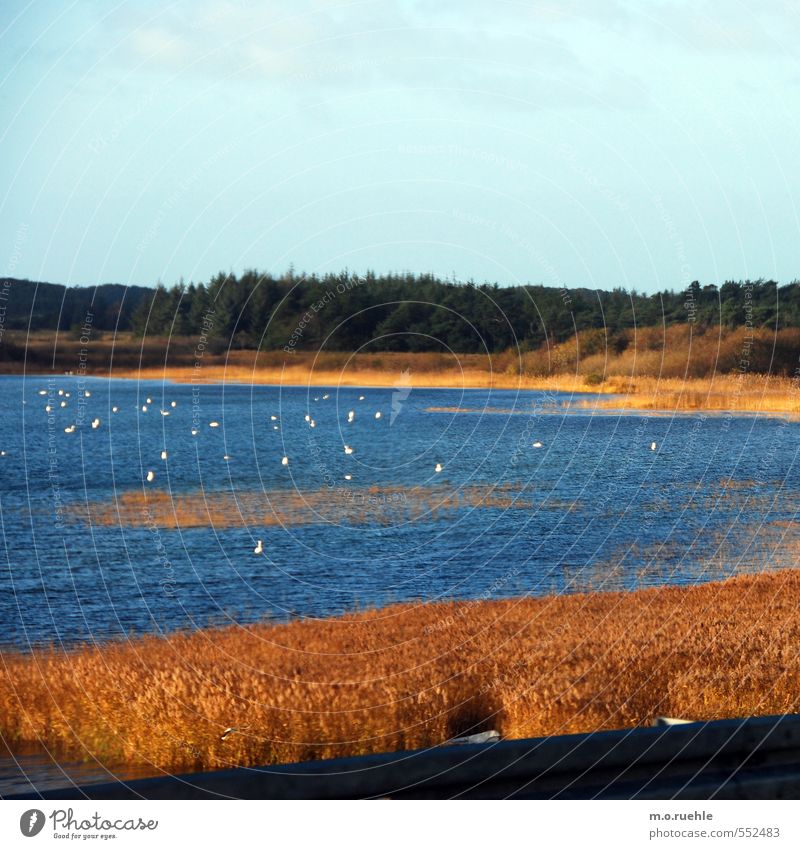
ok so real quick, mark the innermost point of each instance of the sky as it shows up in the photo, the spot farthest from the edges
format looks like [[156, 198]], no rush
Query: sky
[[640, 144]]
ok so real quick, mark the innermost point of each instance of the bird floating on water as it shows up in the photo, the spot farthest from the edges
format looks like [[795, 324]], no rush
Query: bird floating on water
[[348, 477], [87, 394], [149, 400], [259, 549], [173, 403], [144, 408], [63, 404], [213, 424], [163, 455], [226, 457], [307, 417], [165, 412], [150, 476], [114, 409], [273, 418], [194, 431], [350, 416], [537, 444], [312, 423], [348, 449], [325, 397], [60, 391], [360, 397], [285, 461], [378, 414], [48, 409], [70, 429], [43, 392], [652, 446], [438, 467], [95, 424]]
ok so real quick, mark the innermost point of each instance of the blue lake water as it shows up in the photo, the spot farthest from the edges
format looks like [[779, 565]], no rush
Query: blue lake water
[[593, 508]]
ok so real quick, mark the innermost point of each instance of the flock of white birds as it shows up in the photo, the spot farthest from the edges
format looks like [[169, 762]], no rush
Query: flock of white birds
[[150, 475]]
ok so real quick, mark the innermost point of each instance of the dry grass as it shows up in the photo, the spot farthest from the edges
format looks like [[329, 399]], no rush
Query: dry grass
[[670, 369], [415, 675], [269, 508]]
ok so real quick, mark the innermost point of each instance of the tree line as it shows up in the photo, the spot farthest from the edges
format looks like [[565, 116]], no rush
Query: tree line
[[390, 312]]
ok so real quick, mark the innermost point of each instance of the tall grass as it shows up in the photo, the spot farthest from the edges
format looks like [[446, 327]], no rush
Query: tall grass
[[415, 675]]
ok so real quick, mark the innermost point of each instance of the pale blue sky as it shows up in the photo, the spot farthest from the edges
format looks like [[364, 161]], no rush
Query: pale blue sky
[[575, 142]]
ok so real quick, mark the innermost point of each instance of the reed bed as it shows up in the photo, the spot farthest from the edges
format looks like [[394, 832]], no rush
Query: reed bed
[[280, 507], [414, 675]]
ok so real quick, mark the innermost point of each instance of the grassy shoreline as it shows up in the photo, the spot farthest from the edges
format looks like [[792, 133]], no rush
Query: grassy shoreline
[[414, 675]]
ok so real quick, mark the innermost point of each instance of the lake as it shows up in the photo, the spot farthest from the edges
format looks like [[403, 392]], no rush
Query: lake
[[91, 552]]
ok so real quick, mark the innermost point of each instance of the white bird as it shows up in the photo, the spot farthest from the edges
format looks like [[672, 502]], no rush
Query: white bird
[[652, 446], [325, 397], [307, 417], [87, 394], [114, 409], [67, 394], [360, 397], [70, 429], [165, 412], [348, 449], [348, 477], [150, 477], [285, 461], [312, 423], [228, 731], [438, 467], [259, 549], [43, 392], [213, 424], [378, 414], [63, 404], [173, 403], [48, 409], [149, 400], [273, 418], [2, 453], [226, 457], [537, 444], [275, 427], [60, 391], [95, 424], [350, 416], [163, 455], [194, 431], [144, 408], [317, 398]]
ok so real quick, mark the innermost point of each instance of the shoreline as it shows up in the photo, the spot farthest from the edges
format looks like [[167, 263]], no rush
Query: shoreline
[[753, 394], [410, 676]]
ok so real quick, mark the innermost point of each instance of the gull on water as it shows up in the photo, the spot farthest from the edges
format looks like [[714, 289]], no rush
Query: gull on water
[[165, 412], [273, 418], [173, 403], [60, 391], [95, 424], [438, 467], [48, 409], [114, 409], [63, 404], [360, 397], [144, 408], [378, 414], [87, 394], [213, 424], [194, 431], [43, 392], [285, 461], [70, 429], [350, 416], [150, 476], [259, 549], [652, 446], [348, 449], [325, 397], [149, 400], [163, 455], [537, 444], [348, 477]]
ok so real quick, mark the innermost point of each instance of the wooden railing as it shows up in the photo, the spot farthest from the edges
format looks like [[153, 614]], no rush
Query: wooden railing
[[751, 758]]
